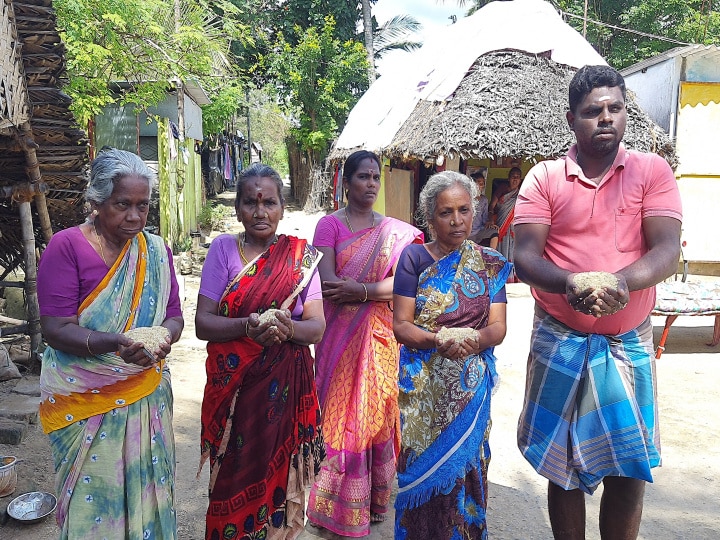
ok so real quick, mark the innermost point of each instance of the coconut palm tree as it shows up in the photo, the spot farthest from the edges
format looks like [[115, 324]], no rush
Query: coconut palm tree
[[392, 35], [395, 35], [368, 35]]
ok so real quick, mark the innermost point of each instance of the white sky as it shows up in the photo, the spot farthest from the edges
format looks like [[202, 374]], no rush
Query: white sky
[[430, 13]]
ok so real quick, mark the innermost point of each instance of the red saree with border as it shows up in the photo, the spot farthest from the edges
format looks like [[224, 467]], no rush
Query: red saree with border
[[260, 414]]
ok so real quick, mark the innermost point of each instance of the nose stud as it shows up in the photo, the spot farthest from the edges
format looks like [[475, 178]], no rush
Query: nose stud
[[452, 222]]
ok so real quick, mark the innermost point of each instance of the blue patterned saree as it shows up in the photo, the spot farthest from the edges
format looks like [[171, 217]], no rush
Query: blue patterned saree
[[445, 404]]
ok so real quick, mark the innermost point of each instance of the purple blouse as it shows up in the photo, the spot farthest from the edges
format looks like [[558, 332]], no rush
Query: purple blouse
[[69, 271], [414, 260], [330, 231], [223, 263]]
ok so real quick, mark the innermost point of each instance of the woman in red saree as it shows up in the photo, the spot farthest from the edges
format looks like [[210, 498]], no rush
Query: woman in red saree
[[357, 360], [260, 415]]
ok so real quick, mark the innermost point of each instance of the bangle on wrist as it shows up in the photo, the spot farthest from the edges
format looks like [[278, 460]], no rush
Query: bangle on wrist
[[247, 327], [292, 331], [366, 293], [87, 343]]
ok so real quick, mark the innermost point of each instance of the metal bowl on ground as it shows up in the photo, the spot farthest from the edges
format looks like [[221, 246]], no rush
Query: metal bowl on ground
[[32, 507], [8, 475]]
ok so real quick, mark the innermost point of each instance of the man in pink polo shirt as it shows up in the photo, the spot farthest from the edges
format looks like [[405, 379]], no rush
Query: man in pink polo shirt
[[590, 413]]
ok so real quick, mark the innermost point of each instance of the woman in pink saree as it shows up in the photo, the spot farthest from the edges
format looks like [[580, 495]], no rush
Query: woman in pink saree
[[357, 359]]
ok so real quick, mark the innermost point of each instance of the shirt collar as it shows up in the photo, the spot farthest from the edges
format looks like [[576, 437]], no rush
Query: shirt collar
[[573, 169]]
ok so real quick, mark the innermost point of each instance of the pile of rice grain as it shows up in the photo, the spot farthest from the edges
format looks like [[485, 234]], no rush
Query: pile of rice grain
[[458, 334], [150, 336], [269, 316], [595, 281]]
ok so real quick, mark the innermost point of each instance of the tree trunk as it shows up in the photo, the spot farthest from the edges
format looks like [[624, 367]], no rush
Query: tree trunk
[[368, 31]]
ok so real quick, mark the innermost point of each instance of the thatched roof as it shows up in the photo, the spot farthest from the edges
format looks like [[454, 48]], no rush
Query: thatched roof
[[478, 90], [510, 104], [29, 25]]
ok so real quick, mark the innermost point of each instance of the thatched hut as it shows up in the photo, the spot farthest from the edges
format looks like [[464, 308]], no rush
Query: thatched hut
[[42, 152], [510, 104], [491, 90]]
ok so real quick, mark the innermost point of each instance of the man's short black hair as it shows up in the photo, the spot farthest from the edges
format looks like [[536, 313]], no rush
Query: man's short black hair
[[588, 78]]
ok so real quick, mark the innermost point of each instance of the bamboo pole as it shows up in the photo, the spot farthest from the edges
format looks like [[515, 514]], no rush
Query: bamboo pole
[[32, 307], [29, 146]]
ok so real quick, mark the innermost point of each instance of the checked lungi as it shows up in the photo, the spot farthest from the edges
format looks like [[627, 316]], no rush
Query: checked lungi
[[590, 406]]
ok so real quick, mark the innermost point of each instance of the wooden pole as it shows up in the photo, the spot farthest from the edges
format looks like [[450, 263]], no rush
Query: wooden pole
[[33, 308], [28, 144]]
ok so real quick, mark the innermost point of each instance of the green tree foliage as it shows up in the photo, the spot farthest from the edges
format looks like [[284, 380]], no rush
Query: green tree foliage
[[146, 43], [224, 105], [618, 33], [267, 20], [320, 79], [270, 127]]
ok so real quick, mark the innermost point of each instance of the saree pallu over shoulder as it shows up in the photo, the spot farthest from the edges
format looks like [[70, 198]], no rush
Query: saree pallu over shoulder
[[590, 405], [444, 403], [357, 385], [260, 415], [134, 293], [368, 256]]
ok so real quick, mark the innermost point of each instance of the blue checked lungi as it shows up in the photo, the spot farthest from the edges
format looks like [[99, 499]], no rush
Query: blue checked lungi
[[590, 405]]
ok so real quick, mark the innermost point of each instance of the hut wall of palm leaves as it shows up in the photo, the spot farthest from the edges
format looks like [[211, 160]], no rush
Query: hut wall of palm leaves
[[61, 146], [510, 104]]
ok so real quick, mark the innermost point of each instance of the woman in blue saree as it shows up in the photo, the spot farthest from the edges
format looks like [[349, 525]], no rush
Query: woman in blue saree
[[446, 384]]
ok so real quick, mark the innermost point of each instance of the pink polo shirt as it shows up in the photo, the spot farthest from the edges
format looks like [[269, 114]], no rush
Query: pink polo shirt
[[598, 228]]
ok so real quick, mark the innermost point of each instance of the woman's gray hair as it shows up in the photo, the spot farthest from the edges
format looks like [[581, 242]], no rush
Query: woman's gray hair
[[109, 167], [435, 185], [258, 170]]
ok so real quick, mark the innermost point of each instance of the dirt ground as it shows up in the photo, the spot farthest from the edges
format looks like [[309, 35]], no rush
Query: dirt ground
[[682, 503]]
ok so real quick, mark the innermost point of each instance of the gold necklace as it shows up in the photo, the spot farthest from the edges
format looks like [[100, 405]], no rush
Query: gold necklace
[[347, 220], [241, 244], [97, 237]]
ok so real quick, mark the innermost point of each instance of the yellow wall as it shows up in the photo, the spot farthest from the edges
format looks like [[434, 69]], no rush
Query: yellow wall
[[698, 129], [698, 132], [180, 186], [379, 205]]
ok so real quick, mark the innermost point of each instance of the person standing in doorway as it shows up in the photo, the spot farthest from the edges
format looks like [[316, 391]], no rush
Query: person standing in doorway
[[503, 212], [484, 232]]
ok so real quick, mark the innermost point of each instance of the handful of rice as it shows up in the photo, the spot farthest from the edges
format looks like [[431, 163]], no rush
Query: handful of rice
[[269, 316], [150, 336], [595, 281], [458, 334]]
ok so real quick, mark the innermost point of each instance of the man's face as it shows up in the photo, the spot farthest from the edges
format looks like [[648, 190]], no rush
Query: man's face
[[599, 121]]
